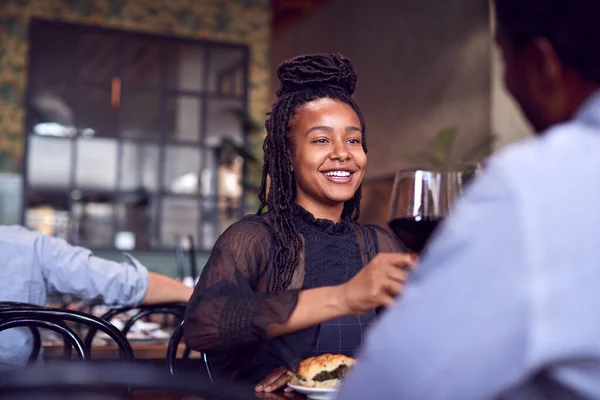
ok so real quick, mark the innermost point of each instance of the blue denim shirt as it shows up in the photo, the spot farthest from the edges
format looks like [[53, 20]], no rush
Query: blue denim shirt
[[33, 264]]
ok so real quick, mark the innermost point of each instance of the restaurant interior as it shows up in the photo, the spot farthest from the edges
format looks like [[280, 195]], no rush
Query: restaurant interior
[[137, 126]]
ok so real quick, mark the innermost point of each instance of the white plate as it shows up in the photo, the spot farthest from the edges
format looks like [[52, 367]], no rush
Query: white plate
[[314, 393]]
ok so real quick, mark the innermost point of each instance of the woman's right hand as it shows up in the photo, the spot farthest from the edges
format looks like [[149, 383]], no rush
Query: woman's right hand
[[378, 283]]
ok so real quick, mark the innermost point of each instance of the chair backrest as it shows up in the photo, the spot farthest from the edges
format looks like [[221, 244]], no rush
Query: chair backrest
[[35, 332], [95, 380], [172, 354], [34, 321], [175, 309], [14, 315]]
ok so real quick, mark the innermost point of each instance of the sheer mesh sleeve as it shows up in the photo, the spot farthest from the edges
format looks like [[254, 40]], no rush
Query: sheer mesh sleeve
[[387, 243], [226, 311]]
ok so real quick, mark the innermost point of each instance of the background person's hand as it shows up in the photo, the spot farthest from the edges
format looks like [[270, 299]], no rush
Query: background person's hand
[[378, 283]]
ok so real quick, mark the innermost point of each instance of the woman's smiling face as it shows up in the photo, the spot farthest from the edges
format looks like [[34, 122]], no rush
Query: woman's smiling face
[[327, 155]]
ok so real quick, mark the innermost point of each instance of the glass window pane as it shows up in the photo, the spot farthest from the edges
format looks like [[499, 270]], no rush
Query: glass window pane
[[49, 162], [225, 64], [222, 122], [185, 67], [143, 62], [230, 191], [96, 166], [183, 118], [233, 83], [52, 51], [98, 55], [136, 221], [180, 216], [52, 110], [140, 115], [47, 212], [209, 226], [209, 173], [94, 223], [182, 166], [139, 166], [95, 116]]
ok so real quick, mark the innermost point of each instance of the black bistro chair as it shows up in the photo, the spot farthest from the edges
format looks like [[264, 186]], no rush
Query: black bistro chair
[[185, 259], [17, 315], [175, 309], [172, 354]]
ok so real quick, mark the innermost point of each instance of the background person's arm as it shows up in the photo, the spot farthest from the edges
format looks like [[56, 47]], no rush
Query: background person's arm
[[75, 270], [163, 289]]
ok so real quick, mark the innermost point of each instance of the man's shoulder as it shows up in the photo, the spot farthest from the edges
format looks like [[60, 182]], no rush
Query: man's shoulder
[[566, 142], [17, 235], [561, 152]]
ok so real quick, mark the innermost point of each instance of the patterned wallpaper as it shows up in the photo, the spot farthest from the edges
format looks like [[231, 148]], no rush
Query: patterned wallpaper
[[239, 21]]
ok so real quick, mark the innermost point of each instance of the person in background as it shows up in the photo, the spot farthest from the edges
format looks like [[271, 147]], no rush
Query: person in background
[[304, 278], [504, 303], [34, 265]]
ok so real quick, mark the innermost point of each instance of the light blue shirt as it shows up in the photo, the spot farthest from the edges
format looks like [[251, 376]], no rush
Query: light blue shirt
[[510, 286], [32, 265]]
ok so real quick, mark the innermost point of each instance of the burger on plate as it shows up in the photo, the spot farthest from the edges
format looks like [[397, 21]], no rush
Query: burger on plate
[[325, 371]]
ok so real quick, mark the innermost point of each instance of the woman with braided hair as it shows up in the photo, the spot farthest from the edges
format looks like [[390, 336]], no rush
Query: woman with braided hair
[[303, 278]]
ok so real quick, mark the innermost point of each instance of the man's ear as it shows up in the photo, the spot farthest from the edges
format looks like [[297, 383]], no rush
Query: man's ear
[[549, 69]]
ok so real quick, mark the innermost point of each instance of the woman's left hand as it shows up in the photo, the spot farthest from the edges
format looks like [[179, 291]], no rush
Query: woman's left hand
[[274, 381]]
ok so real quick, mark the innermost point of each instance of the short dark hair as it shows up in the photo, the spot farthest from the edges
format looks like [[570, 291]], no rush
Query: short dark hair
[[571, 26], [303, 79]]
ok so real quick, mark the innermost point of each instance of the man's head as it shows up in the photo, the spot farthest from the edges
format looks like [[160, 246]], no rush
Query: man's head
[[551, 51]]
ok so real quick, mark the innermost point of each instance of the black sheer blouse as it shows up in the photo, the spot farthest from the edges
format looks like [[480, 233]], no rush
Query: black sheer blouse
[[231, 306]]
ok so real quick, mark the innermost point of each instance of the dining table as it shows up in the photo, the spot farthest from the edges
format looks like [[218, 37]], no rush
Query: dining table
[[155, 351], [153, 395], [142, 351]]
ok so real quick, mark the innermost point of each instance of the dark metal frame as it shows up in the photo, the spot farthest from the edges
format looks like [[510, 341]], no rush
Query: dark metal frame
[[175, 309], [35, 332], [172, 354], [33, 314], [164, 92], [67, 333]]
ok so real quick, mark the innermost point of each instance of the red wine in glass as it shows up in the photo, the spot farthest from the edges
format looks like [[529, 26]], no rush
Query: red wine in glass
[[420, 200], [414, 232]]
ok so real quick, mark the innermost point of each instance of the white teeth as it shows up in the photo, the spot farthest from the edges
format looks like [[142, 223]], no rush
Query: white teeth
[[339, 174]]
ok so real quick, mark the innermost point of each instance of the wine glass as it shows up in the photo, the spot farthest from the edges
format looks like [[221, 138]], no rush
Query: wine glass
[[420, 200]]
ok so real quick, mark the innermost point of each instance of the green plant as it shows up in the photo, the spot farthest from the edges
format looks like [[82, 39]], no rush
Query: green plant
[[229, 149], [438, 154]]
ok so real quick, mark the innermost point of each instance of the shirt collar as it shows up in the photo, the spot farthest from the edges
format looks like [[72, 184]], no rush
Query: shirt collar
[[590, 110]]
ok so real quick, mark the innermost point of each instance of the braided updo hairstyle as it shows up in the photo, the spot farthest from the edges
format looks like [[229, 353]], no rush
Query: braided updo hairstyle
[[303, 79]]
